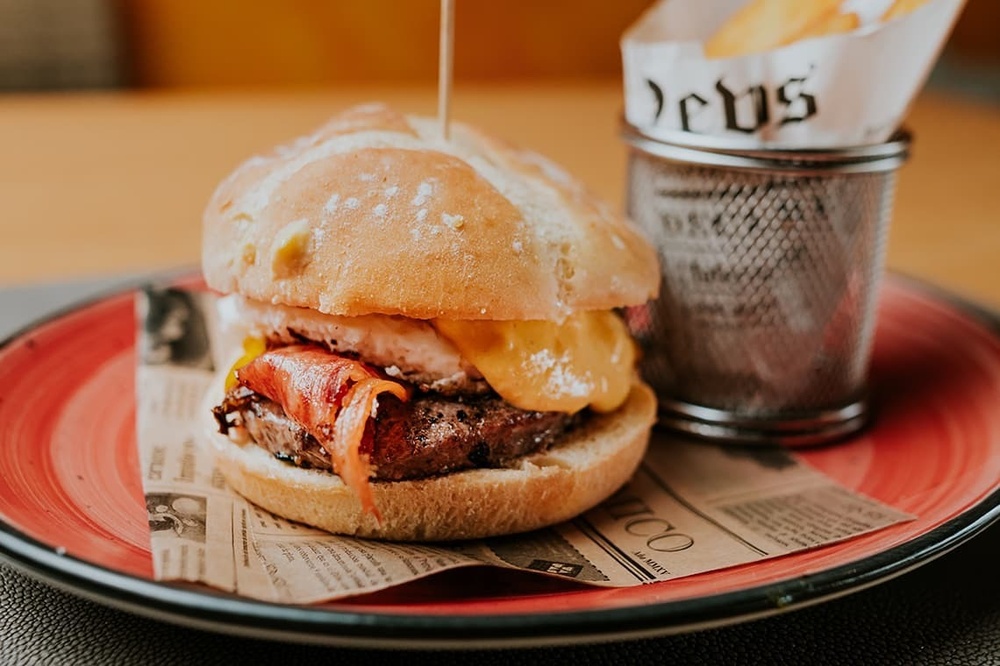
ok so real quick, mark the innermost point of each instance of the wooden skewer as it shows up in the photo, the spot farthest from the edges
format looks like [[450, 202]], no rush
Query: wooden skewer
[[445, 61]]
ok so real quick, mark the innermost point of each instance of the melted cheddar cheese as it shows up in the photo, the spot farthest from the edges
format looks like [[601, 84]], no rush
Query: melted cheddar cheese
[[252, 348], [587, 360]]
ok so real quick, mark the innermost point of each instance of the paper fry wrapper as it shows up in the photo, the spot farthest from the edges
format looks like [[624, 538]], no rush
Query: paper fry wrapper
[[839, 90]]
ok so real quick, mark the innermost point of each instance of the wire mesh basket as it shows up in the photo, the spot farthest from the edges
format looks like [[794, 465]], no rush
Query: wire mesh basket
[[771, 262]]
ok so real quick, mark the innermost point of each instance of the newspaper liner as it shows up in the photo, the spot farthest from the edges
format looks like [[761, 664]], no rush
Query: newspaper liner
[[836, 91], [690, 508]]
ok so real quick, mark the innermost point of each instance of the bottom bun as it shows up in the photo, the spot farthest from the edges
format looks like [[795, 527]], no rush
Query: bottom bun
[[590, 464]]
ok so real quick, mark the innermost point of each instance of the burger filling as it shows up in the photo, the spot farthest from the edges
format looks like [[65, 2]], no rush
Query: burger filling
[[426, 436], [492, 392]]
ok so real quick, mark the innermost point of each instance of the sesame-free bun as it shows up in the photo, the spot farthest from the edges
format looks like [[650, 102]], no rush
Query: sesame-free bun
[[376, 213], [589, 465]]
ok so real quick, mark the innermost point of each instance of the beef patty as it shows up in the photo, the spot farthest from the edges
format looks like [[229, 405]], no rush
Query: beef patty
[[425, 436]]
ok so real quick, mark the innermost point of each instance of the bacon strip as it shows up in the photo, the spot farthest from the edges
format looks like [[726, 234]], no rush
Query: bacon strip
[[332, 397]]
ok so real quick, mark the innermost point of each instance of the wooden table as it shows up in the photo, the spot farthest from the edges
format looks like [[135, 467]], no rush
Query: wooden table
[[115, 182]]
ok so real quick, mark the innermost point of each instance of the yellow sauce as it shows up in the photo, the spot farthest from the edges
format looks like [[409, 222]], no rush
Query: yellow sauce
[[252, 348], [587, 359]]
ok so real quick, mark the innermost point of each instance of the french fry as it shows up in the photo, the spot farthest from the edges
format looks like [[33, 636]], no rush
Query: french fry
[[902, 8], [834, 24], [762, 25]]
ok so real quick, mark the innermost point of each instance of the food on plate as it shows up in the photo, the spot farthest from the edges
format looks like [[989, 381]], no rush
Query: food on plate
[[762, 25], [429, 348], [902, 8], [833, 23]]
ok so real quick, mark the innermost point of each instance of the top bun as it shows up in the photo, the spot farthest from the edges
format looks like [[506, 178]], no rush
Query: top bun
[[376, 213]]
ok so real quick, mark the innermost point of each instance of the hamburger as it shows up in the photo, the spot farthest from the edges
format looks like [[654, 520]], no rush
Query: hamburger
[[428, 347]]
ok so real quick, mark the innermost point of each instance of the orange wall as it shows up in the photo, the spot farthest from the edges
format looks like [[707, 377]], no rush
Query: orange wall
[[265, 42], [322, 42], [977, 33]]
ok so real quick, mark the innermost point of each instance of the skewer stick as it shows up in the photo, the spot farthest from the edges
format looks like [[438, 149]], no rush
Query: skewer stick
[[445, 60]]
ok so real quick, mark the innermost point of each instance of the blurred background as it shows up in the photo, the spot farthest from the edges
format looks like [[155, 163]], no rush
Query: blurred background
[[59, 44]]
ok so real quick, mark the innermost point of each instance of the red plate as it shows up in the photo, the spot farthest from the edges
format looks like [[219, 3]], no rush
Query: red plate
[[72, 512]]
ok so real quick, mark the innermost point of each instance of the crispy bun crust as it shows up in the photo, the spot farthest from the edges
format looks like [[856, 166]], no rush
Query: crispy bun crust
[[375, 213], [543, 489]]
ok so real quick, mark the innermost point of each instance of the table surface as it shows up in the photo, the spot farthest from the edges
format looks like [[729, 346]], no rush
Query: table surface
[[114, 183]]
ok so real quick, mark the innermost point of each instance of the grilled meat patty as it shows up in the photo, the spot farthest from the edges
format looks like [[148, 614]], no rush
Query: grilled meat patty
[[425, 436]]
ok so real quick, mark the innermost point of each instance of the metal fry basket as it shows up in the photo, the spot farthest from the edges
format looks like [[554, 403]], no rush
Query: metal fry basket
[[771, 262]]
